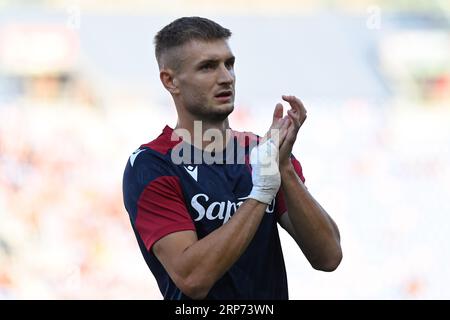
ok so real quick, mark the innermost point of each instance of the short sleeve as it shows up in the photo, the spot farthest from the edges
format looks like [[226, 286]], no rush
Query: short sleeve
[[280, 203], [161, 210]]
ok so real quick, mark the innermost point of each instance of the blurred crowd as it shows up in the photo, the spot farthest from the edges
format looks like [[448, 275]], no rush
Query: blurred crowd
[[62, 218]]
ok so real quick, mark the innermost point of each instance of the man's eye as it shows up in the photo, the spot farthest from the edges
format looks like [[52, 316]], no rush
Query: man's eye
[[206, 67], [230, 65]]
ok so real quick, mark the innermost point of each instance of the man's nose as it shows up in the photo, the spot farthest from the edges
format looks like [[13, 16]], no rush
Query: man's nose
[[226, 76]]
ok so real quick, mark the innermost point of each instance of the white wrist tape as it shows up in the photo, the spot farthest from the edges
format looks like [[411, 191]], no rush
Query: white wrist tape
[[265, 173]]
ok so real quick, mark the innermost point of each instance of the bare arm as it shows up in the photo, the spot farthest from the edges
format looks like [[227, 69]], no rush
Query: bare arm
[[309, 224], [195, 265]]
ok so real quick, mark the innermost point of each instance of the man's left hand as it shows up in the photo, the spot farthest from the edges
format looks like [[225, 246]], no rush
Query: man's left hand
[[297, 115]]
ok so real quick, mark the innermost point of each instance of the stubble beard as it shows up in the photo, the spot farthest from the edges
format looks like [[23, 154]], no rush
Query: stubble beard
[[211, 113]]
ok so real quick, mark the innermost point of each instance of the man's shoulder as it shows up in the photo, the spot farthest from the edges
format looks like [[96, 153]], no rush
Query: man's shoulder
[[163, 143], [144, 166], [153, 155]]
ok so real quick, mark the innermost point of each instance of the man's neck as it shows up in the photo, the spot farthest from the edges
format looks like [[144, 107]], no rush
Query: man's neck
[[205, 134]]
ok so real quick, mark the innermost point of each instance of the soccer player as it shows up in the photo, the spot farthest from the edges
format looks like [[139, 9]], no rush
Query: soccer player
[[204, 200]]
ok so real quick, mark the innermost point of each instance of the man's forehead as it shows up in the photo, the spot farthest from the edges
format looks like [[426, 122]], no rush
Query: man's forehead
[[196, 50]]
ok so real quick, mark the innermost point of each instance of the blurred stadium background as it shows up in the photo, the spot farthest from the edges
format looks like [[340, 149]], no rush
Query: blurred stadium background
[[79, 91]]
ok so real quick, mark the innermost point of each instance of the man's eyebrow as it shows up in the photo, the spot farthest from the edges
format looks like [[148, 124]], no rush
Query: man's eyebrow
[[206, 61], [232, 58], [215, 60]]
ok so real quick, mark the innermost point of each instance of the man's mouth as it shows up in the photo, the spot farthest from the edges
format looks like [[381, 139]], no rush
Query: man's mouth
[[224, 96]]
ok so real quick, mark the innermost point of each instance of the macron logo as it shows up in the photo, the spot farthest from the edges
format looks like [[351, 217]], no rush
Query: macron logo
[[193, 171], [134, 155]]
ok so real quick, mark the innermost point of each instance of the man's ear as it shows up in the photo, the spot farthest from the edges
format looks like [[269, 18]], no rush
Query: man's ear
[[169, 81]]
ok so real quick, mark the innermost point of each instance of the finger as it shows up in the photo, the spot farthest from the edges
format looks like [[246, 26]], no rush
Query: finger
[[278, 132], [284, 129], [295, 103], [292, 101], [277, 113], [275, 126], [290, 98], [286, 123], [294, 116], [286, 133]]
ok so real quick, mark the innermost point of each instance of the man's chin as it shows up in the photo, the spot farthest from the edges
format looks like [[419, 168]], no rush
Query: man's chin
[[227, 108], [221, 112]]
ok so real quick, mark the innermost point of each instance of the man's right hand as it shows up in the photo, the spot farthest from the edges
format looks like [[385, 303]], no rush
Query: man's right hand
[[264, 159]]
